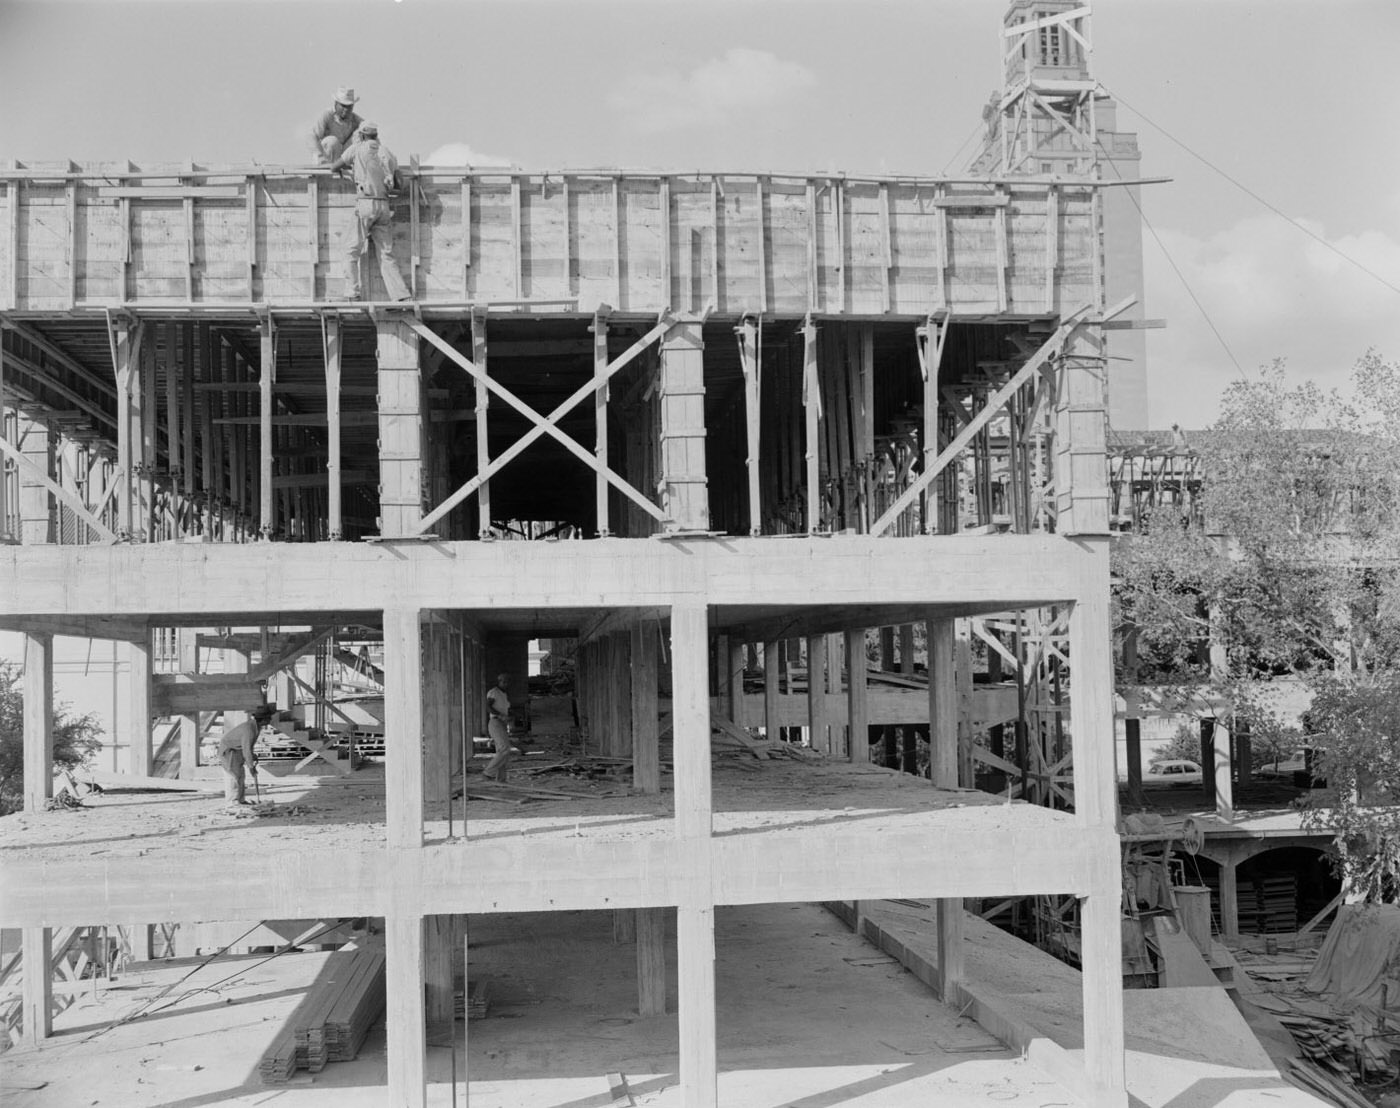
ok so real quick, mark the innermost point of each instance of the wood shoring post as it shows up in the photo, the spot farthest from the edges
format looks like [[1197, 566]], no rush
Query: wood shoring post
[[812, 411], [772, 718], [650, 930], [930, 339], [267, 377], [38, 720], [600, 417], [404, 1016], [330, 343], [749, 333], [646, 741], [817, 716], [857, 698], [695, 915]]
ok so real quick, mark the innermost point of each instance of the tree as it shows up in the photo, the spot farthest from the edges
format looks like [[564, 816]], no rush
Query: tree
[[1288, 565], [74, 738]]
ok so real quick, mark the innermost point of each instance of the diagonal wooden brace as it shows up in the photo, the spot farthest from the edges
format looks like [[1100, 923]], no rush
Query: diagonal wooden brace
[[72, 500], [995, 403], [544, 425]]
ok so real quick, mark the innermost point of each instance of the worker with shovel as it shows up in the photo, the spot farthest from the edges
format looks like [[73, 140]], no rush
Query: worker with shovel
[[236, 751]]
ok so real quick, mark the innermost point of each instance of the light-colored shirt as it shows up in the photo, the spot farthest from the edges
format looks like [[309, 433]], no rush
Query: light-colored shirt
[[240, 737], [327, 124], [375, 168], [498, 702]]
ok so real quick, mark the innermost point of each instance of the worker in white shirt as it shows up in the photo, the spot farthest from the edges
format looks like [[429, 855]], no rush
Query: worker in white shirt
[[236, 751], [498, 714], [376, 182]]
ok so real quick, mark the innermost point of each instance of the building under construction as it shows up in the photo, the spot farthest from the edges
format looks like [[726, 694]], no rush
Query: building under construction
[[696, 425]]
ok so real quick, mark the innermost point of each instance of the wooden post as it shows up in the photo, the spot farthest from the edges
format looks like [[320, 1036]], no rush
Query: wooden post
[[943, 705], [1133, 730], [772, 720], [330, 333], [651, 961], [820, 734], [857, 698], [138, 660], [749, 338], [405, 1027], [403, 718], [439, 941], [600, 419], [906, 648], [695, 916], [483, 444], [646, 741], [682, 395], [400, 428], [38, 720], [962, 678], [188, 639], [36, 988]]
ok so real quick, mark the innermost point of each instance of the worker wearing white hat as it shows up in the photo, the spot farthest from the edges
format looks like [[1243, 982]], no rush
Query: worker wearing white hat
[[334, 130]]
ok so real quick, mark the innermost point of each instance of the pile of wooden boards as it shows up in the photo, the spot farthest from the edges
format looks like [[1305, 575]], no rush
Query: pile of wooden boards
[[472, 1003], [332, 1020], [1338, 1090]]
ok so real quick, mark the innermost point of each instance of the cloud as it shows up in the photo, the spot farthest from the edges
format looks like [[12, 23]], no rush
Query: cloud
[[1272, 292], [459, 153], [714, 93]]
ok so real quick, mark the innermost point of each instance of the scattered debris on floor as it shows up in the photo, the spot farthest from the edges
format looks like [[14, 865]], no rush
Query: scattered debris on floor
[[474, 1001]]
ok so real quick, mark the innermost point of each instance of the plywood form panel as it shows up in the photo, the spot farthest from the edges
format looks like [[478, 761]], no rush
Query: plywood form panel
[[742, 243], [42, 244]]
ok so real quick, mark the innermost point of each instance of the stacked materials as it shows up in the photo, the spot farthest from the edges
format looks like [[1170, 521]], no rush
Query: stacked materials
[[332, 1020]]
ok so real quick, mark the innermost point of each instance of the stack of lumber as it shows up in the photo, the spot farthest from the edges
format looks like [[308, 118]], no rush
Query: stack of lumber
[[332, 1020], [473, 1002], [1337, 1090]]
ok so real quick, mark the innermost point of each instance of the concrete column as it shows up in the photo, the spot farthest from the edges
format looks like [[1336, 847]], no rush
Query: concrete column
[[404, 1022], [138, 661], [816, 694], [36, 989], [439, 944], [646, 742], [403, 719], [188, 639], [38, 721], [37, 507], [650, 930], [772, 719], [857, 698], [1229, 899]]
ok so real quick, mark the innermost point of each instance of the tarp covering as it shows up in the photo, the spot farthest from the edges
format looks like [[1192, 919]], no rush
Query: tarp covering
[[1361, 952]]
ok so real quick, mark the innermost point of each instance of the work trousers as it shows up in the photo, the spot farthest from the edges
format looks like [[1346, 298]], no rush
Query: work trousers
[[497, 767], [232, 762], [374, 222]]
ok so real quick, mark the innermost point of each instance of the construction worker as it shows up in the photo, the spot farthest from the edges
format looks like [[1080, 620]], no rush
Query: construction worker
[[376, 181], [334, 131], [236, 751], [498, 713]]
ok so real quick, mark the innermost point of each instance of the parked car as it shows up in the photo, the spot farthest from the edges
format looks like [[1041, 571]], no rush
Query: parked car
[[1176, 771], [1294, 768]]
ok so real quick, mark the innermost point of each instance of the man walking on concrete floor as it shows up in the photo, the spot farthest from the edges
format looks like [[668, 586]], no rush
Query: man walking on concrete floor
[[376, 181], [498, 715]]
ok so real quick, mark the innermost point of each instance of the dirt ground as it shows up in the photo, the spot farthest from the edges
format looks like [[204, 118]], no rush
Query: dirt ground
[[808, 1016]]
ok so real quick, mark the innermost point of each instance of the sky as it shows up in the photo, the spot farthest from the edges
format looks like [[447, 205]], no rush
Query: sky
[[1288, 97]]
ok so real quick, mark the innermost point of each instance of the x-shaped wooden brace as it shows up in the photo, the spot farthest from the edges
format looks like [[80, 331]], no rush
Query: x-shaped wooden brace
[[543, 425]]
